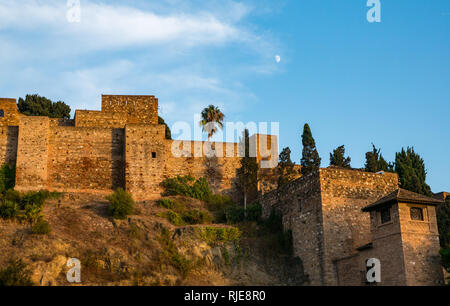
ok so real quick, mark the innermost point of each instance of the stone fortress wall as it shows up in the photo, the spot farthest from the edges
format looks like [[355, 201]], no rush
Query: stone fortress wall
[[9, 131], [123, 146], [334, 237], [323, 210], [120, 146]]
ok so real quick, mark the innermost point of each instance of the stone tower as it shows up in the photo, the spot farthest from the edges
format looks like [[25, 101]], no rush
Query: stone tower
[[405, 239], [334, 236]]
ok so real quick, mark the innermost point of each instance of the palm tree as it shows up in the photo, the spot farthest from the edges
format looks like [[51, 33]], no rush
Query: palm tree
[[212, 118]]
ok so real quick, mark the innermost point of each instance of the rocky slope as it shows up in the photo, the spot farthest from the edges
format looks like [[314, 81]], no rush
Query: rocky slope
[[145, 249]]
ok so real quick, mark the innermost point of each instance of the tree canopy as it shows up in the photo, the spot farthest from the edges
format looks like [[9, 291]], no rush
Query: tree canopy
[[212, 119], [168, 132], [310, 157], [375, 161], [247, 174], [35, 105], [286, 169], [338, 159], [411, 171]]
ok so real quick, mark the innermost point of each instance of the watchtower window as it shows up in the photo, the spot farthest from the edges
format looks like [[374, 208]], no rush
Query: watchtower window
[[153, 154], [416, 214], [2, 113], [299, 204], [385, 214]]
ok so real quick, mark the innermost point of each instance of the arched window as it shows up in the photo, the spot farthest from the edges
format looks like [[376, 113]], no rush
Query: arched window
[[2, 113]]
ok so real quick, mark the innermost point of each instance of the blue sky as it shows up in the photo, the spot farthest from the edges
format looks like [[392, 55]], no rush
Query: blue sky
[[354, 82]]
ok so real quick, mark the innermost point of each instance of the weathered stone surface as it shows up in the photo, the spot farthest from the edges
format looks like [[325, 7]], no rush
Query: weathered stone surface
[[324, 212], [120, 146]]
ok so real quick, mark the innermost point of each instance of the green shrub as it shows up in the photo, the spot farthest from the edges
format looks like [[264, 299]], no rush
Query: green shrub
[[33, 213], [33, 202], [41, 227], [15, 274], [180, 185], [226, 256], [445, 256], [201, 190], [191, 216], [9, 209], [171, 255], [218, 235], [254, 212], [12, 195], [234, 214], [217, 202], [174, 218], [36, 198], [187, 186], [194, 216], [171, 204], [121, 204], [7, 177], [25, 207]]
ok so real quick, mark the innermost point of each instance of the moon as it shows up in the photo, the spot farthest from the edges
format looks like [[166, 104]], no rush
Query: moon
[[277, 58]]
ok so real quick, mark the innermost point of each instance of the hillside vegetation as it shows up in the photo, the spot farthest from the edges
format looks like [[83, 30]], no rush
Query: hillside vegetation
[[177, 240]]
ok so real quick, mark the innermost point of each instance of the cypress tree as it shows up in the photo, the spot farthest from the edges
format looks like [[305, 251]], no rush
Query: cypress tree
[[375, 161], [285, 167], [247, 174], [338, 159], [310, 157], [410, 168]]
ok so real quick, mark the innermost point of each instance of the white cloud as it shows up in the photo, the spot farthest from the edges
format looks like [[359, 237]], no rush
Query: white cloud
[[161, 48], [115, 26]]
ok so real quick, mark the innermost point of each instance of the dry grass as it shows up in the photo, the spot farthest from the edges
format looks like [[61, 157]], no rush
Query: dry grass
[[128, 252]]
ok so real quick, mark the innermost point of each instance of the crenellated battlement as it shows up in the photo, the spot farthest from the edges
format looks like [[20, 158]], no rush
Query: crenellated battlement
[[9, 116], [139, 109], [120, 146], [120, 110]]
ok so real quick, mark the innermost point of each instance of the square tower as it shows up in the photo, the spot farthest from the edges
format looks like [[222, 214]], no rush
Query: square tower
[[137, 109], [406, 239]]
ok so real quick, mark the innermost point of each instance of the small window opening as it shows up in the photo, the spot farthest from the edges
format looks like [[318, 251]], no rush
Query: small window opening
[[299, 203], [385, 215], [153, 154], [2, 113], [416, 213]]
